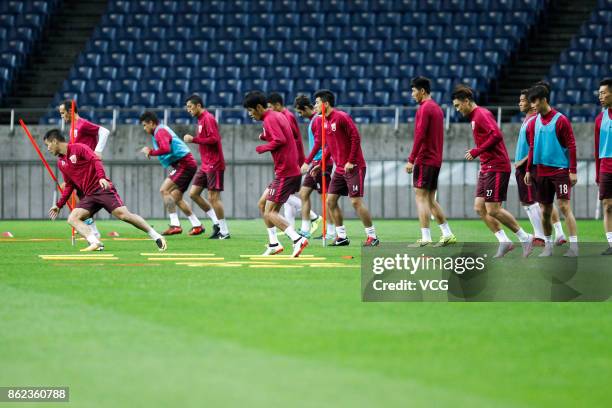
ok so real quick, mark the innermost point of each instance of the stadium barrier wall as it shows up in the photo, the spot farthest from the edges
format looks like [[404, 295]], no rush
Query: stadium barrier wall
[[26, 192]]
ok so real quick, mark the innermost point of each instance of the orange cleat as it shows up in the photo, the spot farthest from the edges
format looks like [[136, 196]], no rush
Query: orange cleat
[[173, 230]]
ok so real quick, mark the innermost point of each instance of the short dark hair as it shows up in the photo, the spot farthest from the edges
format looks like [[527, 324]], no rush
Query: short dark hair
[[195, 99], [68, 105], [302, 102], [421, 82], [275, 97], [538, 92], [606, 82], [524, 92], [149, 116], [54, 134], [254, 98], [463, 92], [326, 96], [545, 84]]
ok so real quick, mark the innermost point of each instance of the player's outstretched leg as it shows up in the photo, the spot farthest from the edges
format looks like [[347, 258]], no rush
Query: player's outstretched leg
[[570, 222], [170, 205], [364, 215], [495, 210], [447, 237], [196, 225], [76, 220], [273, 217], [558, 227], [505, 245], [220, 228], [336, 213], [123, 214]]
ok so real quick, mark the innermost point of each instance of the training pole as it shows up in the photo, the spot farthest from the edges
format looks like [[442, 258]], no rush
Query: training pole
[[323, 168], [42, 158], [72, 141]]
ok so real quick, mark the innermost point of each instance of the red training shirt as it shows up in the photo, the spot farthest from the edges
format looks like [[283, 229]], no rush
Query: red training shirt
[[209, 141], [428, 143], [277, 132], [81, 169], [490, 146]]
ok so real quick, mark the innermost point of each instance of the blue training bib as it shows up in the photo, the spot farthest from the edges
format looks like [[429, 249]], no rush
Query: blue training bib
[[546, 149], [605, 136], [178, 148]]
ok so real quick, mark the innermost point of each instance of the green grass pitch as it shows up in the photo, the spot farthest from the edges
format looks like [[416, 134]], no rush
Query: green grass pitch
[[137, 333]]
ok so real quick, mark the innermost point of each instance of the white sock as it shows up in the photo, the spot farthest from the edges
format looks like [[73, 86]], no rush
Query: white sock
[[558, 230], [91, 238], [370, 232], [154, 234], [306, 225], [535, 217], [290, 232], [341, 231], [295, 202], [223, 226], [609, 238], [94, 228], [501, 236], [548, 241], [272, 236], [446, 231], [212, 215], [174, 221], [194, 220], [573, 241], [313, 215], [522, 235], [425, 234], [331, 229], [289, 213]]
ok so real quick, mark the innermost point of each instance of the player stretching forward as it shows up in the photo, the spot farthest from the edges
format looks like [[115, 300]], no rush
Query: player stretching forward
[[210, 174], [87, 133], [344, 145], [304, 108], [83, 170], [552, 148], [494, 173], [527, 194], [287, 178], [293, 205], [425, 161], [172, 152], [603, 156]]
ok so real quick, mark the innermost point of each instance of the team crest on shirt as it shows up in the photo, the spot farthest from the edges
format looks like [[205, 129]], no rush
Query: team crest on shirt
[[473, 125], [333, 125], [73, 159], [63, 163]]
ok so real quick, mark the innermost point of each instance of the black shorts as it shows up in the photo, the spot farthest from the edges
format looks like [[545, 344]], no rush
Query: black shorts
[[348, 184], [210, 180], [425, 177], [107, 199], [493, 186], [549, 186], [605, 186], [527, 194], [281, 188]]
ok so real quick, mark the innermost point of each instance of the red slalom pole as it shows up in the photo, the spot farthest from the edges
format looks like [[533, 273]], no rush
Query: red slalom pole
[[323, 168], [72, 141], [42, 158]]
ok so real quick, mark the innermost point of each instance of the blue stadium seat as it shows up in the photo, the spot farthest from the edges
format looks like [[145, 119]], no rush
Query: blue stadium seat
[[307, 85]]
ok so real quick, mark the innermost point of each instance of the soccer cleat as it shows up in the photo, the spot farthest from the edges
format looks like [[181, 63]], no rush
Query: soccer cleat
[[607, 251], [314, 224], [503, 249], [305, 234], [560, 240], [96, 246], [538, 242], [173, 230], [216, 232], [571, 253], [548, 251], [528, 246], [197, 230], [419, 243], [341, 242], [445, 241], [298, 246], [371, 242], [273, 250], [161, 244], [226, 236]]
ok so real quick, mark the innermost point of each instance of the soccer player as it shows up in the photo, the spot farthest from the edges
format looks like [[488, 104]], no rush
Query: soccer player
[[305, 109], [527, 195], [293, 205], [344, 146], [603, 156], [494, 173], [83, 170], [87, 133], [552, 148], [425, 161], [287, 177], [172, 152], [210, 174]]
